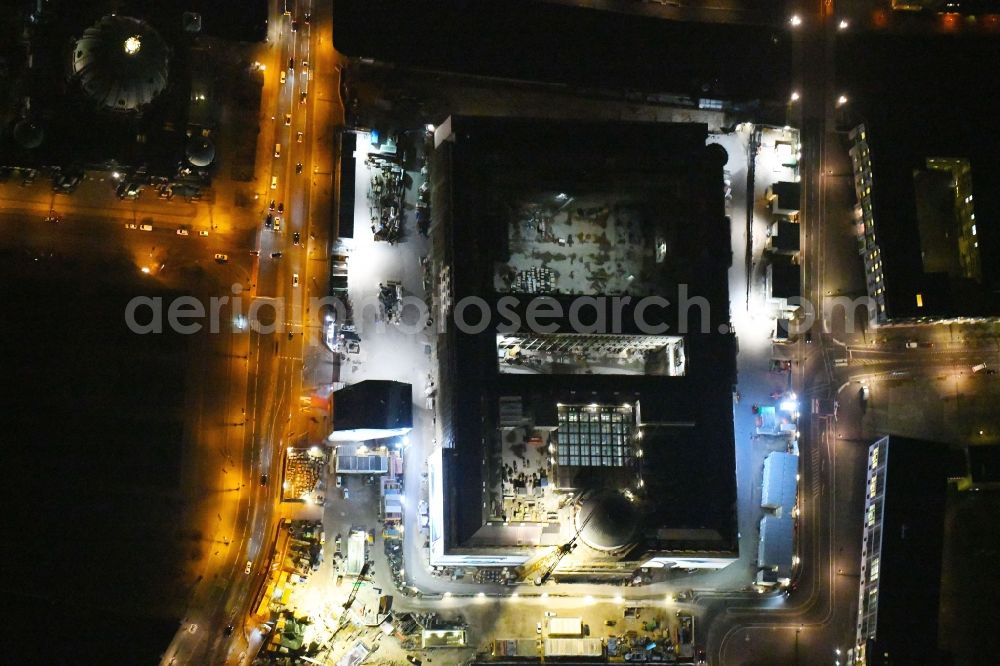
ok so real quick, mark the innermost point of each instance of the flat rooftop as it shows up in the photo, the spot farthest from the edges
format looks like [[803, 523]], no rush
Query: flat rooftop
[[596, 49], [530, 419]]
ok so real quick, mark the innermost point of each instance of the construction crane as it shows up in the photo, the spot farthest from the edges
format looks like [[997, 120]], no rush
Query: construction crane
[[344, 617], [552, 560], [362, 577]]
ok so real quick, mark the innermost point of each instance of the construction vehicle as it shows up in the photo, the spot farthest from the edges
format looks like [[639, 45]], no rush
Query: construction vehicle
[[362, 577]]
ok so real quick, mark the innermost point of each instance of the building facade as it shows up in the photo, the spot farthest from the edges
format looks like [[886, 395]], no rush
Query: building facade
[[901, 553]]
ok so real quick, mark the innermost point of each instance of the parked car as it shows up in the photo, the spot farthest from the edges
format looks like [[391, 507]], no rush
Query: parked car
[[248, 567], [65, 183], [222, 258]]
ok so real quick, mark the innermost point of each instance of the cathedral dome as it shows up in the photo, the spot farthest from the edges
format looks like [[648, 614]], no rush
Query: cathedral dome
[[121, 63]]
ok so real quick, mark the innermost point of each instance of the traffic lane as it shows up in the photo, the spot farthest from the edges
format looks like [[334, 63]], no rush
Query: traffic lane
[[231, 388], [284, 166], [97, 236], [940, 367], [276, 272], [233, 604], [220, 400], [106, 205], [932, 339], [954, 352], [98, 199], [235, 588]]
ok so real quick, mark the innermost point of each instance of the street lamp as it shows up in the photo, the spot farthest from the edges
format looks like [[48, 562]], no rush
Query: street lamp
[[843, 25], [796, 20], [795, 96], [842, 100]]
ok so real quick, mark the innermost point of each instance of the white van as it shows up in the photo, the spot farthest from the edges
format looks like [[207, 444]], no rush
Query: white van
[[281, 77], [274, 182], [277, 150]]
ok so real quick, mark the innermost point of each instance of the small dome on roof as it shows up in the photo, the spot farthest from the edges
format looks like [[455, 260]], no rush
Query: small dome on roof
[[718, 154], [28, 134], [608, 521], [200, 151]]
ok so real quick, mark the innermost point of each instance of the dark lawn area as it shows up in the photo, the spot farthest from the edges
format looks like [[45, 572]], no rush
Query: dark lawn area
[[91, 447]]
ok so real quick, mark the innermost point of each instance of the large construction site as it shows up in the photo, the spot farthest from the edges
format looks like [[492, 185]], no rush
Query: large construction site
[[569, 453]]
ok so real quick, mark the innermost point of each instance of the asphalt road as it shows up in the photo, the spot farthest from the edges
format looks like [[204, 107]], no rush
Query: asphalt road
[[818, 616], [265, 385]]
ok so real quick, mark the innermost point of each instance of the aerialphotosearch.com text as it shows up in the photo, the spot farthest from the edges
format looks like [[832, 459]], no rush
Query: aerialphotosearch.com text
[[647, 315]]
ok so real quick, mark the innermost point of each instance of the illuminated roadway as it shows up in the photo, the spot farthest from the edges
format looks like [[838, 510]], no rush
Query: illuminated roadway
[[270, 379]]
